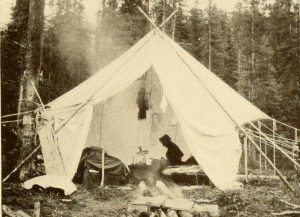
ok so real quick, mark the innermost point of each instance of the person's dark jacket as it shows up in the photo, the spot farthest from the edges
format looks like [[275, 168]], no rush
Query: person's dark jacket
[[174, 154]]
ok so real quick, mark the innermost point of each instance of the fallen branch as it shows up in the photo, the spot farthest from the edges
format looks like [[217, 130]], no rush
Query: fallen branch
[[288, 212], [295, 206], [12, 213]]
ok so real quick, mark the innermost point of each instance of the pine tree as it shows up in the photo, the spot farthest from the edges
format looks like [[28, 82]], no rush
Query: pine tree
[[30, 78], [66, 49], [13, 46]]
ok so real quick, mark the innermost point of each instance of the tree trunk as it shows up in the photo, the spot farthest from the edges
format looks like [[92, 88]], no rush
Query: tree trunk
[[252, 73], [174, 21], [33, 61], [164, 14], [209, 35]]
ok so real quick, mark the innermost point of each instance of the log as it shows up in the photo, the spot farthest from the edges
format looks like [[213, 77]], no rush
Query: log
[[288, 212], [6, 210], [207, 209], [150, 201], [295, 206], [256, 177], [171, 213], [144, 204], [178, 204], [185, 214]]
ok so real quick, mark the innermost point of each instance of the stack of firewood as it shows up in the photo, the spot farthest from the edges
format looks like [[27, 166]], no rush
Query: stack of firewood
[[166, 204]]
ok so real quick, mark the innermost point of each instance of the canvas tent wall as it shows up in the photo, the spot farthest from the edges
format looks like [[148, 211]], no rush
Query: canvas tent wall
[[192, 92]]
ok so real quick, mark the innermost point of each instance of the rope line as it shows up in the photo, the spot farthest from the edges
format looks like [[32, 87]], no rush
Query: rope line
[[15, 114]]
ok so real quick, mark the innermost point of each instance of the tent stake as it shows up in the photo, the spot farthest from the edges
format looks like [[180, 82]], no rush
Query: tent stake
[[103, 150], [102, 173], [246, 157]]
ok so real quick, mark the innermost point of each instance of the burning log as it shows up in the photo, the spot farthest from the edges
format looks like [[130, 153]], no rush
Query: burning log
[[184, 205], [185, 214], [171, 213], [167, 205]]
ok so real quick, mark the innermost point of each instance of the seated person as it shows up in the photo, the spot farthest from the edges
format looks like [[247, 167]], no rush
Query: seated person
[[174, 154]]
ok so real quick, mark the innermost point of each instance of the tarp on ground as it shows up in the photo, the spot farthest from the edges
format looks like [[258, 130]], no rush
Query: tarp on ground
[[197, 96]]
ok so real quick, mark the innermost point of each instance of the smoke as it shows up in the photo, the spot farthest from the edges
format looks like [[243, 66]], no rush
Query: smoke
[[154, 183]]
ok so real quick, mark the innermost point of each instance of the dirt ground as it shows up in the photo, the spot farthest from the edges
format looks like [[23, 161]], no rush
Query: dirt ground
[[259, 198]]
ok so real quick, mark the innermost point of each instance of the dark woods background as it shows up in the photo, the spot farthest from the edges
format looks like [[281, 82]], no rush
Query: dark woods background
[[255, 49]]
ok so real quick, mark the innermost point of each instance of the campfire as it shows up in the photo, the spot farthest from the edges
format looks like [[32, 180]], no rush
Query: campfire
[[163, 201]]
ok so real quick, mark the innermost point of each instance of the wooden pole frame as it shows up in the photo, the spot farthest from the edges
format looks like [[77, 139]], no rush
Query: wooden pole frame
[[274, 149], [38, 95], [260, 162], [274, 144], [152, 22], [246, 157], [103, 151]]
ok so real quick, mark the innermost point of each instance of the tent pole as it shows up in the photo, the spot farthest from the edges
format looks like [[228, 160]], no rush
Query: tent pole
[[296, 142], [265, 154], [38, 95], [260, 166], [229, 116], [270, 162], [274, 149], [103, 150], [274, 144], [295, 147], [166, 20], [246, 157], [35, 150], [21, 164], [102, 172]]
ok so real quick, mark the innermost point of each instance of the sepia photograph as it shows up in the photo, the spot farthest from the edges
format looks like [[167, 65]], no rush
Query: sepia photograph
[[150, 108]]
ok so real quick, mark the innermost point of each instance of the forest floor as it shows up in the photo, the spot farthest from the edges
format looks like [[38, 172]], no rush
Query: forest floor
[[259, 198]]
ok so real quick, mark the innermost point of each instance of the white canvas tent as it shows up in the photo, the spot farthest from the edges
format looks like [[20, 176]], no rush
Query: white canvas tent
[[194, 95]]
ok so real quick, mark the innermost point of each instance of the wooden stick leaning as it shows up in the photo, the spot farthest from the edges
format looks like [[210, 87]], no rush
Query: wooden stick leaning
[[275, 145], [22, 163], [166, 20], [246, 157], [35, 150], [38, 95]]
